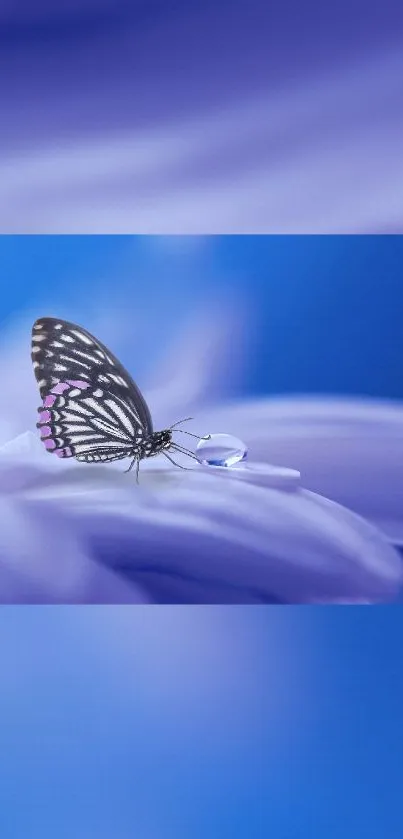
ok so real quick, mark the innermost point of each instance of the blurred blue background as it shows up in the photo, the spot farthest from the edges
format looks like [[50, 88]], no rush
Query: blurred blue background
[[173, 722], [317, 314]]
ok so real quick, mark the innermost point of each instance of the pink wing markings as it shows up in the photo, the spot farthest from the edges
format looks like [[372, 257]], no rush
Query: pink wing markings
[[46, 417]]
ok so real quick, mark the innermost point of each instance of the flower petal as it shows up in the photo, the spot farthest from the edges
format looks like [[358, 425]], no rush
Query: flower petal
[[350, 450], [195, 537], [43, 559]]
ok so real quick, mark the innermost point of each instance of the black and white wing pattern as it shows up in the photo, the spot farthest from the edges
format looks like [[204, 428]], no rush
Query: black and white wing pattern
[[63, 352], [88, 423]]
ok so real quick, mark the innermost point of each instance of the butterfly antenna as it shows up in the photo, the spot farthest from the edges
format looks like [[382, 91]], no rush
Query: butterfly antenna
[[196, 436], [187, 419], [181, 431]]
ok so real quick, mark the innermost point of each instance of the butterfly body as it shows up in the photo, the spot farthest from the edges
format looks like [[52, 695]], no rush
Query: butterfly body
[[91, 408], [156, 443]]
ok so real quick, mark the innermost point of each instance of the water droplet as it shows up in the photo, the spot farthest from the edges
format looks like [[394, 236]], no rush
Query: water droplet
[[220, 450]]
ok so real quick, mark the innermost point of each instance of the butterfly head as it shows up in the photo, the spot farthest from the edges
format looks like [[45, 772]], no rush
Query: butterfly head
[[157, 442]]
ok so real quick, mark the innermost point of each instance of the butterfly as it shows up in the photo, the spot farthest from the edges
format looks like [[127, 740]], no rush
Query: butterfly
[[91, 407]]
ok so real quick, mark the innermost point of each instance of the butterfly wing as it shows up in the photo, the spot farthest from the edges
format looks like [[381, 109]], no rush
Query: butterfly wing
[[63, 351], [88, 423]]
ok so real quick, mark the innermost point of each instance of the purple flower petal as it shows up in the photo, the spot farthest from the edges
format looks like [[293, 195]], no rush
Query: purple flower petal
[[196, 537], [350, 450], [42, 560]]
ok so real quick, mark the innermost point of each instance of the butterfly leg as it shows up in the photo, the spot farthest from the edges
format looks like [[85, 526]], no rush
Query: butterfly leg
[[136, 461], [187, 468]]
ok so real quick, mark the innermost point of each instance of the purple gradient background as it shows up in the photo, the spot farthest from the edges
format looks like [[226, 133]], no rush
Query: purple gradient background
[[232, 116]]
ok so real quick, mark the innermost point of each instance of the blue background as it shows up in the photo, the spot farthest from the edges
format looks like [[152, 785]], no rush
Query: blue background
[[150, 723], [324, 311], [116, 724]]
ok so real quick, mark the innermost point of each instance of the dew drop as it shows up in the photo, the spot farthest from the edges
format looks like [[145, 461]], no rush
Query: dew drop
[[220, 450]]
